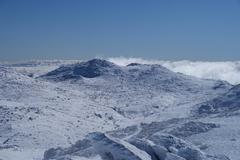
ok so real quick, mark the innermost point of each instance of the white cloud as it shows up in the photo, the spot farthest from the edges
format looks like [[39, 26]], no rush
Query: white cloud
[[228, 71]]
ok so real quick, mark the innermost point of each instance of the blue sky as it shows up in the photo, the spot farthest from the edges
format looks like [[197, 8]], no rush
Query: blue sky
[[83, 29]]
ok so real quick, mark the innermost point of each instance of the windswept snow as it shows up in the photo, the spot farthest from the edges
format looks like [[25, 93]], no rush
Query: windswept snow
[[56, 104], [99, 144], [228, 103], [156, 147]]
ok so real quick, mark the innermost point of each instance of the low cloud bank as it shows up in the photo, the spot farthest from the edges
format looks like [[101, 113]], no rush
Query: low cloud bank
[[228, 71]]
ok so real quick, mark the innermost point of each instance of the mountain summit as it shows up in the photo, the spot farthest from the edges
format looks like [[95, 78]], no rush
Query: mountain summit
[[90, 69]]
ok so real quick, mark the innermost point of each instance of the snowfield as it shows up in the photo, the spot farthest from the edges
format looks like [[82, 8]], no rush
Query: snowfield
[[93, 110]]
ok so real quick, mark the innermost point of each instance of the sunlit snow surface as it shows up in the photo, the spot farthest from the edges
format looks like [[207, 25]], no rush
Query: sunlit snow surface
[[41, 109]]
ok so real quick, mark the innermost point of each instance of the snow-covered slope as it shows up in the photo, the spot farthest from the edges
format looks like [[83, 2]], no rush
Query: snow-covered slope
[[224, 111], [137, 89], [228, 103], [62, 106]]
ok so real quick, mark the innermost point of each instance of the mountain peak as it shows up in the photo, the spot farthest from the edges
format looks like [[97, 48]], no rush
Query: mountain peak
[[134, 64], [99, 63], [90, 69]]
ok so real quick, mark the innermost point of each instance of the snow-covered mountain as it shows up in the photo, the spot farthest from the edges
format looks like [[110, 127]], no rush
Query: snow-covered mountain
[[136, 88], [64, 102]]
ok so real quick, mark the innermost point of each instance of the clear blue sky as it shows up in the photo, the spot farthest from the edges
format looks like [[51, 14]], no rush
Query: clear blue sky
[[83, 29]]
